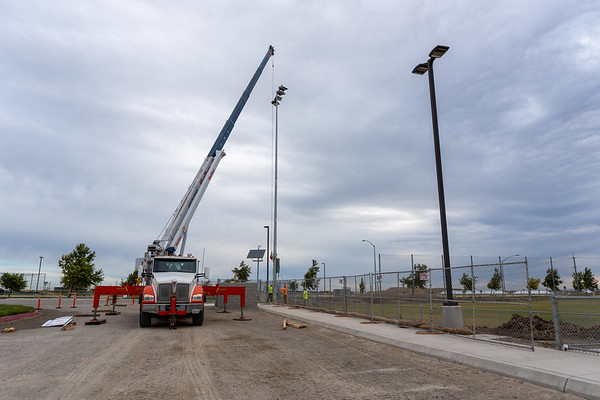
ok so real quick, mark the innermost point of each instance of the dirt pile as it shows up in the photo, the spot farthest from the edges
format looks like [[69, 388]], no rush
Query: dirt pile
[[543, 330], [518, 326]]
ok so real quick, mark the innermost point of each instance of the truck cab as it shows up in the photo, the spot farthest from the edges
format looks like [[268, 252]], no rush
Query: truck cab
[[172, 289]]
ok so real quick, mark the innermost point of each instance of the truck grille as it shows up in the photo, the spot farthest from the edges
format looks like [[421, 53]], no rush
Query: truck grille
[[164, 293]]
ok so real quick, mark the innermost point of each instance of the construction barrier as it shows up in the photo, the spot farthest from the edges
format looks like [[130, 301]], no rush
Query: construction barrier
[[226, 291], [59, 300], [135, 291], [74, 300]]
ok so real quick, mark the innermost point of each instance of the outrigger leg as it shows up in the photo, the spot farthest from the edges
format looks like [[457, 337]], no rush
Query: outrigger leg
[[173, 314]]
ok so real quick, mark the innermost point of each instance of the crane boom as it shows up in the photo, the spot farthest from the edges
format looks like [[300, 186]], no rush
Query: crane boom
[[176, 228]]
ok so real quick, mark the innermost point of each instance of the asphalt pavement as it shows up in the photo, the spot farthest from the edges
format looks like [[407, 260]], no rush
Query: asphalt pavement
[[566, 371]]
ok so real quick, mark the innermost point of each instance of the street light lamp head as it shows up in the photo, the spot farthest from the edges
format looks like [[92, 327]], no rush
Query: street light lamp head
[[275, 103], [420, 69], [281, 87], [280, 93], [438, 51]]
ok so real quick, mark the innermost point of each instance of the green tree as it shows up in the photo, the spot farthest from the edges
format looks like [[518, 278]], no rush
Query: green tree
[[414, 280], [13, 282], [534, 283], [589, 282], [577, 281], [242, 273], [132, 279], [293, 285], [310, 276], [496, 282], [78, 269], [467, 283], [552, 280], [361, 285]]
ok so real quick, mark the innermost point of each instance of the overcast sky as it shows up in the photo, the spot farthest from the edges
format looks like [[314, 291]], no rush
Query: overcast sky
[[108, 109]]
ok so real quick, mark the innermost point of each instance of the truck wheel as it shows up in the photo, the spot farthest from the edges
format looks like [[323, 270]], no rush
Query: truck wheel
[[145, 319], [198, 319]]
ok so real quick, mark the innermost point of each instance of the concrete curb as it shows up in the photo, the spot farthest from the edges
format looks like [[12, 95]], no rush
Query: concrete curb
[[19, 316]]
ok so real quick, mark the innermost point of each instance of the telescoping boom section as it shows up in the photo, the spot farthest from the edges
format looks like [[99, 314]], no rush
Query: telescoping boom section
[[176, 230]]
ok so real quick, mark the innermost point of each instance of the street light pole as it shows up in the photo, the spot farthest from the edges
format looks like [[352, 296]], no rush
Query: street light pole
[[420, 69], [374, 262], [38, 278], [278, 97], [268, 254]]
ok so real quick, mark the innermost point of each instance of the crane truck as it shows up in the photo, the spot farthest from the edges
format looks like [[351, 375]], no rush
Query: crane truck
[[171, 281]]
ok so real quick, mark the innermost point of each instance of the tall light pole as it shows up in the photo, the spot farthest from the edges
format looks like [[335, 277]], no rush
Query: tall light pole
[[437, 52], [278, 97], [268, 254], [374, 261], [39, 270]]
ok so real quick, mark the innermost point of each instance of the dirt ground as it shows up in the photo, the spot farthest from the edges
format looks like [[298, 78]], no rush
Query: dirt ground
[[225, 359]]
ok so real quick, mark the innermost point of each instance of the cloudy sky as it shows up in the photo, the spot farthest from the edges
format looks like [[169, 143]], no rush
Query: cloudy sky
[[108, 109]]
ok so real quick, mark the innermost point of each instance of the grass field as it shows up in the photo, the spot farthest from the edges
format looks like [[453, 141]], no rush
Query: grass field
[[581, 311], [6, 310]]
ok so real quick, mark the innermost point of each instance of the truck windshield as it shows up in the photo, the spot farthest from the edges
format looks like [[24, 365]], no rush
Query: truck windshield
[[175, 266]]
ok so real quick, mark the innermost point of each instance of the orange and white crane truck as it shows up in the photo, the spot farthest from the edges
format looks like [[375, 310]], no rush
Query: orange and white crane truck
[[172, 282]]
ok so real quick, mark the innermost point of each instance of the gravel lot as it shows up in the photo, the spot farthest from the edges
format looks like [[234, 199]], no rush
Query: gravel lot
[[225, 359]]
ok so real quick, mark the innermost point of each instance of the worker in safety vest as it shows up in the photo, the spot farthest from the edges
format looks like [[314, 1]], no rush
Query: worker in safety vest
[[305, 295], [270, 293], [284, 291]]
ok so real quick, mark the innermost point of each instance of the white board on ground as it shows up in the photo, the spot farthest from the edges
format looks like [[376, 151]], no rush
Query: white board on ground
[[62, 321]]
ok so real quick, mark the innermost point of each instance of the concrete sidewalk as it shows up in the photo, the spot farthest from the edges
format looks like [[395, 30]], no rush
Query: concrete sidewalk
[[568, 372]]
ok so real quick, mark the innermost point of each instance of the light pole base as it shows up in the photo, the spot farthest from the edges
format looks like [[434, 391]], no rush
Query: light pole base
[[452, 316]]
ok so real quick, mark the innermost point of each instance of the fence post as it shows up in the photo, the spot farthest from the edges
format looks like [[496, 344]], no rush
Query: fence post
[[371, 295], [355, 301], [555, 317], [345, 297], [530, 309], [473, 297], [430, 302], [398, 294], [379, 282]]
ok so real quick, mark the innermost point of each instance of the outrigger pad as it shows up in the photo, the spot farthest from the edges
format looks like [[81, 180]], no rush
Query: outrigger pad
[[96, 322]]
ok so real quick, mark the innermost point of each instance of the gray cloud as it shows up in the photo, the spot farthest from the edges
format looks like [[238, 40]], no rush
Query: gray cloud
[[108, 110]]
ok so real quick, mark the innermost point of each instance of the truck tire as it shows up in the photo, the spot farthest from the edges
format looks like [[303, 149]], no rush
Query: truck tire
[[198, 319], [145, 319]]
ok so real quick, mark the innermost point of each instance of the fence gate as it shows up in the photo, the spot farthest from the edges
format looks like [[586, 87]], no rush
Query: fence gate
[[576, 322]]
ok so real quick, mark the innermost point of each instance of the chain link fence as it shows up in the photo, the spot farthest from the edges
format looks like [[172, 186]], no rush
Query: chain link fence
[[35, 281], [519, 303], [494, 299], [576, 322]]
